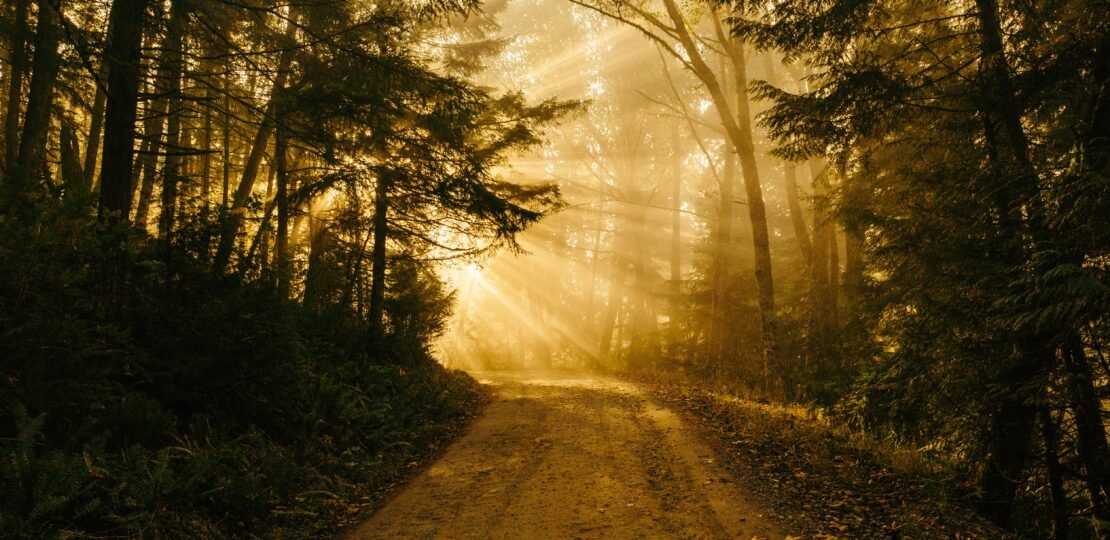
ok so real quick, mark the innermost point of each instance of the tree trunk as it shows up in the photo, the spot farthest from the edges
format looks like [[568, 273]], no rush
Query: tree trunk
[[1021, 201], [235, 215], [834, 277], [820, 321], [857, 199], [206, 157], [377, 258], [1055, 475], [315, 296], [642, 322], [740, 132], [73, 178], [1090, 430], [676, 228], [281, 244], [18, 51], [96, 126], [31, 159], [226, 146], [797, 217], [122, 55], [147, 161], [722, 260], [612, 308], [1012, 419], [174, 156]]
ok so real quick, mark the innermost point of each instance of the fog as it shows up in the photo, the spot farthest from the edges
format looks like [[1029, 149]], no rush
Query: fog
[[634, 269]]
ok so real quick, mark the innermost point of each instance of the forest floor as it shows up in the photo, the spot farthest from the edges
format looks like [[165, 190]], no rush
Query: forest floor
[[562, 455]]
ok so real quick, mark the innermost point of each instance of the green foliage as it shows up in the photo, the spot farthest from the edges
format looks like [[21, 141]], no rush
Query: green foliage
[[140, 401], [418, 304], [968, 152]]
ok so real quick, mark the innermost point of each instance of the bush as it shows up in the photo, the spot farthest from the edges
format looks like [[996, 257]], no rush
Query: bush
[[144, 399]]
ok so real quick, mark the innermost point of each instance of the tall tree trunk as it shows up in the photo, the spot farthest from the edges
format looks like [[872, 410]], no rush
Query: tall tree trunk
[[175, 149], [589, 318], [281, 244], [809, 258], [834, 276], [122, 55], [719, 330], [264, 231], [743, 141], [612, 309], [73, 178], [149, 153], [642, 323], [1089, 426], [377, 258], [226, 137], [797, 216], [96, 126], [1055, 475], [206, 157], [18, 51], [315, 297], [856, 199], [235, 214], [31, 159], [676, 228], [820, 321], [260, 246], [1012, 418], [1021, 199]]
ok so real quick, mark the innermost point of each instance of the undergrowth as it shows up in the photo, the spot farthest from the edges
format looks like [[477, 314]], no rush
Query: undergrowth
[[142, 396]]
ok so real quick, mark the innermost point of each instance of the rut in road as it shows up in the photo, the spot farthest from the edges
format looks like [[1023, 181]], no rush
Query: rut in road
[[572, 456]]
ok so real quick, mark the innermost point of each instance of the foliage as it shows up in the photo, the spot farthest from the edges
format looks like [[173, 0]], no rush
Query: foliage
[[184, 404]]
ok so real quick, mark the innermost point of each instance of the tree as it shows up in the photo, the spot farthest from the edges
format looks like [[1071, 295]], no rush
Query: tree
[[678, 40], [122, 55], [952, 207], [29, 161]]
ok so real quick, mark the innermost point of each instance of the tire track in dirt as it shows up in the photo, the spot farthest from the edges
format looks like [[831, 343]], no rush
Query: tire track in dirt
[[571, 456]]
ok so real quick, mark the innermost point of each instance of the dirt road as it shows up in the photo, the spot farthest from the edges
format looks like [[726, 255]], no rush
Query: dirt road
[[564, 456]]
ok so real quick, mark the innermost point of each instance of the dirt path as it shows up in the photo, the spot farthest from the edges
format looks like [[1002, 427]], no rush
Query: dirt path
[[565, 456]]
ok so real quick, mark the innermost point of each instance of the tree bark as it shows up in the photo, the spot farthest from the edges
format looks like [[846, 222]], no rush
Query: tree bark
[[206, 158], [147, 161], [857, 199], [1011, 421], [676, 228], [612, 308], [378, 258], [96, 126], [281, 243], [31, 159], [226, 136], [18, 51], [1021, 200], [722, 259], [171, 173], [740, 132], [122, 55], [234, 217], [834, 276], [1055, 475], [820, 321], [73, 178], [797, 216], [1090, 430]]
